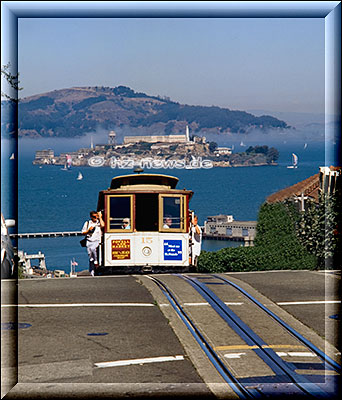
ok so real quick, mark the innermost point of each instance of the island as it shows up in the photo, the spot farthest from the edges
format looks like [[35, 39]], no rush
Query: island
[[165, 151]]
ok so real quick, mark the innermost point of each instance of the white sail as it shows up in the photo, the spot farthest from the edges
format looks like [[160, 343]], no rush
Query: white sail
[[80, 176], [12, 156], [294, 161]]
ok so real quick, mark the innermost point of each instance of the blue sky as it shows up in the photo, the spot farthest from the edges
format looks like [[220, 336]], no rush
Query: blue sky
[[268, 64]]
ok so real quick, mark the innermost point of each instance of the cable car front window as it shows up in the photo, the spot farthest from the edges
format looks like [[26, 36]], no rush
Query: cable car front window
[[120, 215]]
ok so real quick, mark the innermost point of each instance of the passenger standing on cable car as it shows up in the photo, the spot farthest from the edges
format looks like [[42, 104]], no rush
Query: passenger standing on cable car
[[93, 231], [196, 239]]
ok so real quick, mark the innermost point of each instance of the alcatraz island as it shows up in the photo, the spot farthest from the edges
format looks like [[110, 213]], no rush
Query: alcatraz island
[[169, 148]]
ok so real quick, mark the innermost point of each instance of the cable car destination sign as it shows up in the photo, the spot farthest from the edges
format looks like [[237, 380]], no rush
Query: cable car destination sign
[[121, 249]]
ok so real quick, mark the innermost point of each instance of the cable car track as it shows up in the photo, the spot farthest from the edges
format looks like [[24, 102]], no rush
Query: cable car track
[[285, 375], [237, 387], [333, 364]]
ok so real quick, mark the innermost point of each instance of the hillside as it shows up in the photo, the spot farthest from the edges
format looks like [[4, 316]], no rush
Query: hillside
[[77, 111]]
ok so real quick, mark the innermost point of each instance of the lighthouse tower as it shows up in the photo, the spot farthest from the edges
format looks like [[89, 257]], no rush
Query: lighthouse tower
[[187, 133], [112, 138]]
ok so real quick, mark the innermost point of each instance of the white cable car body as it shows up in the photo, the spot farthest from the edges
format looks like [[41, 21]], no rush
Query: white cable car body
[[147, 225]]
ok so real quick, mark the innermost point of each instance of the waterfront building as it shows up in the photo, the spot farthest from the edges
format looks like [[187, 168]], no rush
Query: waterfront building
[[327, 180], [83, 152], [156, 138], [225, 225], [220, 151], [45, 156]]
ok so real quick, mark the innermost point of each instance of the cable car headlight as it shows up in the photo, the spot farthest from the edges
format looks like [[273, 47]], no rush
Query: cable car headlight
[[147, 251]]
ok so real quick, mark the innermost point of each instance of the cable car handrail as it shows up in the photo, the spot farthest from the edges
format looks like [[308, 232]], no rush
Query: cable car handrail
[[32, 235]]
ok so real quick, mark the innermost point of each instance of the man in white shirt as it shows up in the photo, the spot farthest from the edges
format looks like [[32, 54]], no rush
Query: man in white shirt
[[93, 231], [196, 239]]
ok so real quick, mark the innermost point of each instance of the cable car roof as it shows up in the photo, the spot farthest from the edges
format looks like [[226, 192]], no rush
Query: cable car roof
[[144, 179]]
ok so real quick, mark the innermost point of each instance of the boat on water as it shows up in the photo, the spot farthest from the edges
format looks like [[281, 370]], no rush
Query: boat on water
[[68, 163], [305, 146], [294, 161], [242, 144], [12, 157], [79, 176]]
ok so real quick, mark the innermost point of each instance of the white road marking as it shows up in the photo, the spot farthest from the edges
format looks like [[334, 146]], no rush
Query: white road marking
[[295, 354], [283, 303], [234, 355], [281, 353], [294, 303], [79, 305], [202, 304], [138, 361], [301, 354]]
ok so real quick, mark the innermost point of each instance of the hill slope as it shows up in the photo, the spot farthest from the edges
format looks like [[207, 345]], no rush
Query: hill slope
[[76, 111]]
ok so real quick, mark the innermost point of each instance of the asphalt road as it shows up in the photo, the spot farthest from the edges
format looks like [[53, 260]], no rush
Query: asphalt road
[[70, 329], [310, 296], [107, 337]]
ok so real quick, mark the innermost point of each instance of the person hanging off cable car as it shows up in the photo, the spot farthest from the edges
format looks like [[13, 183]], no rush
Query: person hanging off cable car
[[197, 239], [93, 231]]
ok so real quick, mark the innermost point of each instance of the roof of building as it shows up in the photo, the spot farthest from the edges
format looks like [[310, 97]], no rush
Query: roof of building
[[309, 187]]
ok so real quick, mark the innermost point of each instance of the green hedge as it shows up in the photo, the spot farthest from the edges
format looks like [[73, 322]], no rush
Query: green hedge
[[276, 246]]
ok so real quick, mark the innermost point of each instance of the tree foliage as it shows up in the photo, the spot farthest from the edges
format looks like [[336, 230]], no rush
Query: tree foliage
[[318, 229], [276, 246], [13, 82], [272, 154]]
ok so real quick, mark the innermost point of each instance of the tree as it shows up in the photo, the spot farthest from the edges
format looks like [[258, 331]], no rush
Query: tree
[[272, 155], [212, 146], [12, 80], [318, 229]]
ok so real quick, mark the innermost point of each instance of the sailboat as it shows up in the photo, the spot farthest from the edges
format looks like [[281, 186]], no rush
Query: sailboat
[[305, 146], [294, 161], [12, 156], [80, 176], [242, 144], [67, 164]]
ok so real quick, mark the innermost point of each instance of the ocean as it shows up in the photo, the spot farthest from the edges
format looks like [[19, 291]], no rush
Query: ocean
[[53, 200]]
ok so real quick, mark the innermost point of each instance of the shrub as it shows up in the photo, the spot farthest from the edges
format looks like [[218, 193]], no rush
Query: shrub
[[276, 246]]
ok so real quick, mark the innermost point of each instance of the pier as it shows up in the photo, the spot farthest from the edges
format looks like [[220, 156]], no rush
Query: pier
[[248, 241], [224, 227]]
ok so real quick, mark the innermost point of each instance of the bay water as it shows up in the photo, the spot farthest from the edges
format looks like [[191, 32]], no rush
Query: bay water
[[53, 200]]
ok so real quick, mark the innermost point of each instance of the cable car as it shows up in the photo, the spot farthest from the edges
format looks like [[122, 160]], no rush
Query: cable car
[[147, 224]]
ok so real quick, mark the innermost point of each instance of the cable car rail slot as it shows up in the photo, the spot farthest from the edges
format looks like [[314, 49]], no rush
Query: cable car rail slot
[[281, 368]]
